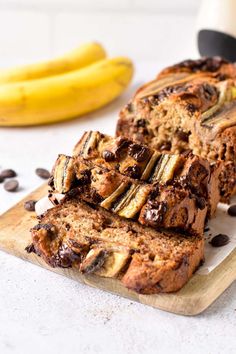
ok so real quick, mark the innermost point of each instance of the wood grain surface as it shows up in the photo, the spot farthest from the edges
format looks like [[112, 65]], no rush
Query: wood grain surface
[[192, 299]]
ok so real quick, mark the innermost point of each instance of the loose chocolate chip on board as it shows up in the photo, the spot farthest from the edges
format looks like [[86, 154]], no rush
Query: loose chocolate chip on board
[[9, 173], [42, 172], [232, 210], [11, 186], [30, 205], [219, 240]]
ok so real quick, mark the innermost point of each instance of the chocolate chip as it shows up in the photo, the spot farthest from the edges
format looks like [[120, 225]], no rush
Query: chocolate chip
[[42, 172], [108, 156], [130, 107], [47, 227], [165, 146], [140, 123], [138, 152], [30, 205], [181, 135], [133, 171], [1, 179], [11, 186], [191, 108], [155, 216], [219, 240], [30, 248], [9, 173], [232, 210], [200, 202], [209, 91], [51, 182]]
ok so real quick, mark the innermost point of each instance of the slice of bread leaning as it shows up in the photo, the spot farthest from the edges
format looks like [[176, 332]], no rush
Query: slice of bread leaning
[[93, 240]]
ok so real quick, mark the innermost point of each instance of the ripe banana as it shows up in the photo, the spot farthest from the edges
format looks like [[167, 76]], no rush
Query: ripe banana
[[78, 58], [64, 96]]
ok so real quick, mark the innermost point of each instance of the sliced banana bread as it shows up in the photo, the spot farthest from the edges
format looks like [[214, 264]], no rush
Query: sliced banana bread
[[141, 162], [172, 206], [92, 240], [191, 105]]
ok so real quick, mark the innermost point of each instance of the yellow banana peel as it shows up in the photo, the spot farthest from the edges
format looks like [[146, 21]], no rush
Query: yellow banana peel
[[64, 96], [78, 58]]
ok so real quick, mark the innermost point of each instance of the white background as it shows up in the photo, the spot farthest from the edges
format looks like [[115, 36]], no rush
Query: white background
[[43, 312]]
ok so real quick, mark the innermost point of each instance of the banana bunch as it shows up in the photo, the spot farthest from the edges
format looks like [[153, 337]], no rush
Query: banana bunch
[[78, 83]]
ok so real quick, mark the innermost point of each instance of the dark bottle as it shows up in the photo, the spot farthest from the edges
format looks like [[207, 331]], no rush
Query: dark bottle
[[217, 29]]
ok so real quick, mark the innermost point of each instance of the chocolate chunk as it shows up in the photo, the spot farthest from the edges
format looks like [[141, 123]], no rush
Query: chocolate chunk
[[140, 123], [209, 91], [11, 186], [130, 107], [191, 108], [47, 227], [133, 171], [122, 144], [30, 248], [155, 216], [200, 202], [232, 210], [67, 256], [108, 156], [166, 146], [181, 135], [42, 172], [204, 64], [138, 152], [51, 182], [9, 173], [1, 179], [30, 205], [219, 240]]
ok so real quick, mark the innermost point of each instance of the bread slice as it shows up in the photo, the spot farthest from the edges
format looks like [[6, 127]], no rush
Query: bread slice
[[93, 240], [146, 164], [191, 105], [170, 206]]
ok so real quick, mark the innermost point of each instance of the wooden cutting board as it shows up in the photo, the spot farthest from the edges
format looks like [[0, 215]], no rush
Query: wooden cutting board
[[195, 297]]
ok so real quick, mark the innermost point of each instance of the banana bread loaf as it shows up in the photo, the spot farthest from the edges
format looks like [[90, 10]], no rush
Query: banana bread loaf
[[93, 240], [191, 105]]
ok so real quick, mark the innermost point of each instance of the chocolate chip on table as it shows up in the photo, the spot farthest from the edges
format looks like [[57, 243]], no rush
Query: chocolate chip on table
[[219, 240], [9, 173], [11, 186], [232, 210], [30, 205], [42, 172]]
